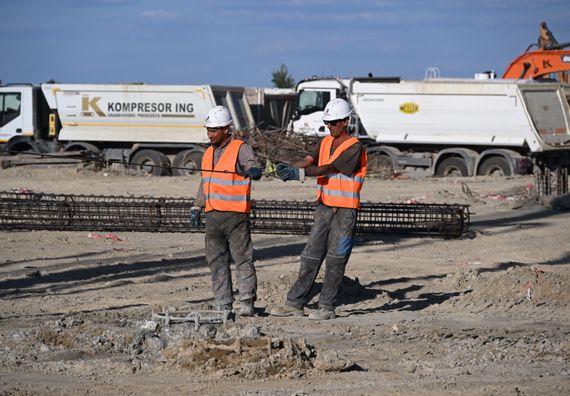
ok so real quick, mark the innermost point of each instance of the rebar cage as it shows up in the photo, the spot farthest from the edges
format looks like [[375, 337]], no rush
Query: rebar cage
[[61, 212], [552, 182]]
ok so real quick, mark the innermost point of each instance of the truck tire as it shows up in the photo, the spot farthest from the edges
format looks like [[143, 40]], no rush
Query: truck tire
[[150, 163], [189, 160], [495, 166], [452, 166], [18, 145]]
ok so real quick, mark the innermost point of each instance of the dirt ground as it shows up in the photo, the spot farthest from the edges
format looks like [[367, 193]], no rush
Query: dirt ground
[[486, 314]]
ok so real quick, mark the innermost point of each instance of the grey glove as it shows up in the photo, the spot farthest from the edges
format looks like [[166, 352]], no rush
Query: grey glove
[[287, 172], [254, 173], [195, 220]]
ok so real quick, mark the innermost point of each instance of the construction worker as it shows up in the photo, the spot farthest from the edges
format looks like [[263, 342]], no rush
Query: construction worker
[[339, 162], [228, 166]]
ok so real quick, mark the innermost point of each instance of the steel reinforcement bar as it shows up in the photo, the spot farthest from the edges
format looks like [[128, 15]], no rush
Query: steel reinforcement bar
[[60, 212]]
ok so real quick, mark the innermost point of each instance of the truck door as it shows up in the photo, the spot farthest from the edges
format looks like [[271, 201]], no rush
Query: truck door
[[11, 119], [309, 109]]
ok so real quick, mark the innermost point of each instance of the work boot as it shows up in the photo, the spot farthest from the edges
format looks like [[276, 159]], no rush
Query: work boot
[[322, 314], [286, 310], [246, 307]]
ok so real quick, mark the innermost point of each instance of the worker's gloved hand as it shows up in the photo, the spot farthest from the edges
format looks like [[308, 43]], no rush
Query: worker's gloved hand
[[287, 172], [254, 173], [195, 220]]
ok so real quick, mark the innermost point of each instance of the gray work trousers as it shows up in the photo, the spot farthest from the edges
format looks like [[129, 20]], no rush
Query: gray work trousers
[[332, 237], [228, 236]]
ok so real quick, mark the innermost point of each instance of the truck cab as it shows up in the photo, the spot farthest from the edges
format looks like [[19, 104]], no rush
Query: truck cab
[[312, 97], [16, 124], [24, 118]]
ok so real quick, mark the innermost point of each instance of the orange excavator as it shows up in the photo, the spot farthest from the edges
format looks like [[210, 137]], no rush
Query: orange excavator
[[549, 58]]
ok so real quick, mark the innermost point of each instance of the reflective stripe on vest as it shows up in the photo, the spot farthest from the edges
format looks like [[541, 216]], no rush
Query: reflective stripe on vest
[[338, 189], [225, 192]]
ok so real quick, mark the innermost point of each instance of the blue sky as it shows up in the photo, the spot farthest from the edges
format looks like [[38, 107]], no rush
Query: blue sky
[[239, 42]]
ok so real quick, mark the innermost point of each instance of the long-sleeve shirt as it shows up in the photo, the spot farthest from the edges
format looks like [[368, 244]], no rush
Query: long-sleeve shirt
[[246, 159]]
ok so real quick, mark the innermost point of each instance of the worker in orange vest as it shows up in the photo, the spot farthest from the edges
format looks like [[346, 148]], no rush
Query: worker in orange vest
[[339, 162], [228, 166]]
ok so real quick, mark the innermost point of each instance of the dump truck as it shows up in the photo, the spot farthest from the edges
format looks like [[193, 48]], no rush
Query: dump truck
[[463, 127], [157, 129]]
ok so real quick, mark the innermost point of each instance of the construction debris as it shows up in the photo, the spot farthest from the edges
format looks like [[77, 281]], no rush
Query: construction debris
[[276, 146]]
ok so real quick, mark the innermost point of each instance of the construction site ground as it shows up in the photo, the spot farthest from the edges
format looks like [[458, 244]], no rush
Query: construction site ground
[[486, 314]]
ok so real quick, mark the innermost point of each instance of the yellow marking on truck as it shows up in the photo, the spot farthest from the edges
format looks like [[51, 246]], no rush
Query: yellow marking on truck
[[201, 92], [51, 129], [86, 102], [135, 125], [409, 108]]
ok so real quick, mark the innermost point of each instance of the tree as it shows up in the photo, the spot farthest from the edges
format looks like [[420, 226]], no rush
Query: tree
[[281, 77]]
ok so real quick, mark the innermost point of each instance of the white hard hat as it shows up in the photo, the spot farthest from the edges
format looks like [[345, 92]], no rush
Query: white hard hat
[[218, 117], [337, 109]]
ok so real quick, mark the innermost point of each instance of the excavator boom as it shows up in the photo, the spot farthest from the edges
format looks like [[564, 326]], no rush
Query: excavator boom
[[538, 64], [551, 57]]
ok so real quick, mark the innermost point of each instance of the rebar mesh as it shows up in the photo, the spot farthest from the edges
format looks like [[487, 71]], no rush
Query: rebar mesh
[[38, 211], [552, 182]]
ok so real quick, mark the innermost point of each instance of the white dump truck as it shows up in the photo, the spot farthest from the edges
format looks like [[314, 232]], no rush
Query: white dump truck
[[460, 127], [157, 128]]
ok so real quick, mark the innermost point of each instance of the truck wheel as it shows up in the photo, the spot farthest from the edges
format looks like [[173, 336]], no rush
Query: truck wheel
[[187, 162], [495, 166], [19, 145], [150, 163], [452, 166]]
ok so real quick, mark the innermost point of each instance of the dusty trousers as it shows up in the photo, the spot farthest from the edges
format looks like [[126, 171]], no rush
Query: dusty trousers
[[332, 237], [228, 236]]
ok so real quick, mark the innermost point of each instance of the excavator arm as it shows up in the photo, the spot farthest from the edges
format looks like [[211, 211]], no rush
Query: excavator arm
[[549, 58], [539, 64]]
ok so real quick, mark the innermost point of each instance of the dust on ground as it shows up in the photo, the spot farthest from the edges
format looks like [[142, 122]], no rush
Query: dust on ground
[[486, 314]]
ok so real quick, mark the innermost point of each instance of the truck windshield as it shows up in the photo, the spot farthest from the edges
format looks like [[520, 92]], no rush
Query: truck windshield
[[311, 101], [9, 107]]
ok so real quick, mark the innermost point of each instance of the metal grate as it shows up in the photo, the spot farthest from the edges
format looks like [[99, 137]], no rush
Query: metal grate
[[552, 182], [37, 211]]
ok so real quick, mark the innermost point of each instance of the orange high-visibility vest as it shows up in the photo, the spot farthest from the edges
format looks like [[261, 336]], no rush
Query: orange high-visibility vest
[[337, 189], [225, 192]]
